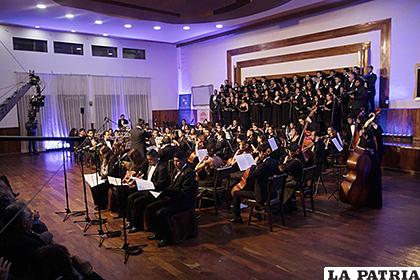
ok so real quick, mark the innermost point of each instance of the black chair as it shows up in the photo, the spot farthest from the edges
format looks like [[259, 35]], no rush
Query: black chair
[[306, 186], [221, 184], [276, 185]]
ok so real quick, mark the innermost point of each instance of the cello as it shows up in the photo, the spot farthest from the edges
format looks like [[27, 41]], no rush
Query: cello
[[354, 190]]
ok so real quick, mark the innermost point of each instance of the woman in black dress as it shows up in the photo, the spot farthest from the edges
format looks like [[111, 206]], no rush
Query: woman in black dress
[[276, 112], [286, 107], [266, 107], [255, 108], [244, 113]]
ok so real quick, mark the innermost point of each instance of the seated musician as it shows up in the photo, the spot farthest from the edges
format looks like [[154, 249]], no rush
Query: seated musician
[[178, 197], [205, 169], [135, 168], [293, 167], [256, 187], [157, 173], [107, 139], [167, 150], [107, 168]]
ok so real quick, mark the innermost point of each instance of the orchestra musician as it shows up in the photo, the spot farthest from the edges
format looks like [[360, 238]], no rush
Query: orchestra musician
[[179, 196], [122, 122], [138, 139], [264, 168], [158, 174]]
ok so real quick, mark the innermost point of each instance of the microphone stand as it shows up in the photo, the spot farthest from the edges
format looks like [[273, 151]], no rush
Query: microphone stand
[[67, 210], [128, 250]]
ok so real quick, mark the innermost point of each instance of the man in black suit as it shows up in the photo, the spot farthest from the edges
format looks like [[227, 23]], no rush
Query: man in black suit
[[122, 122], [178, 197], [370, 80], [215, 107], [158, 174], [358, 97], [257, 181], [138, 138]]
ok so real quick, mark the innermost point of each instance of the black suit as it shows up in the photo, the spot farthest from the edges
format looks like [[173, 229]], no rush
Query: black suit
[[214, 108], [138, 140], [260, 175], [359, 100], [370, 80], [138, 201], [178, 197]]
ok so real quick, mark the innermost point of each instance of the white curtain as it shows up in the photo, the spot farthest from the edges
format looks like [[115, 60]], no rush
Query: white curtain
[[100, 96]]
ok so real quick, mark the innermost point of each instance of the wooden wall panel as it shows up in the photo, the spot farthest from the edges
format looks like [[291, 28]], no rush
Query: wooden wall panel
[[402, 121], [403, 158], [10, 146], [168, 116]]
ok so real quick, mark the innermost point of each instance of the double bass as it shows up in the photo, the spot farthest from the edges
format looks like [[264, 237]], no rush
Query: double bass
[[355, 189]]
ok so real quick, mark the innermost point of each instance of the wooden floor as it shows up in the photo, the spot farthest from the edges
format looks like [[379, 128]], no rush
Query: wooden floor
[[333, 236]]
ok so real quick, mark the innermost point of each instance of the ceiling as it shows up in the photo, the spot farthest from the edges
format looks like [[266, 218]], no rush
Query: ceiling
[[143, 15]]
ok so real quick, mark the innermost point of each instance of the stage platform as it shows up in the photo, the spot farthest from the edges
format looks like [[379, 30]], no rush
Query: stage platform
[[332, 236]]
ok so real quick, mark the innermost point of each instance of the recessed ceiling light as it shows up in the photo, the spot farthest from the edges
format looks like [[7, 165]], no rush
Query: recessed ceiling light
[[98, 21], [37, 26], [186, 27], [219, 26], [128, 25], [73, 31], [69, 16], [157, 27], [105, 35], [110, 53], [41, 6]]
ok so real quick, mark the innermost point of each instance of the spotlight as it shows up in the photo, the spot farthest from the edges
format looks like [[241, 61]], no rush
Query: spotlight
[[128, 25], [98, 21], [69, 16], [157, 27], [41, 6], [219, 26], [105, 35], [186, 28]]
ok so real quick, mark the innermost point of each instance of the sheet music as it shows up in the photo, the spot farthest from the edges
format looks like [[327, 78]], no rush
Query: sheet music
[[244, 161], [273, 144], [155, 194], [158, 140], [94, 179], [337, 145], [201, 153], [339, 139], [144, 185], [114, 181]]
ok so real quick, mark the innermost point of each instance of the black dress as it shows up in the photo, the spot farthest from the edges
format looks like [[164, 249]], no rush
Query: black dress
[[244, 117], [276, 119], [266, 110], [255, 111]]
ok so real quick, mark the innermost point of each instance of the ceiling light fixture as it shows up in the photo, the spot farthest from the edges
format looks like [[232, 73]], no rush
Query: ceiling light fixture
[[186, 28], [37, 26], [41, 6], [157, 27], [128, 25], [98, 21], [73, 31], [105, 35], [219, 26], [69, 16]]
